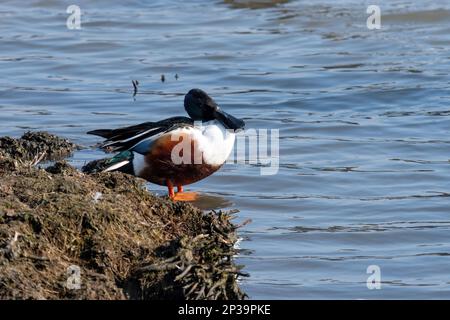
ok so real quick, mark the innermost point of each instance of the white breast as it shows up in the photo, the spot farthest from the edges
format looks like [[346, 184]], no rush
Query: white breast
[[215, 142], [212, 141]]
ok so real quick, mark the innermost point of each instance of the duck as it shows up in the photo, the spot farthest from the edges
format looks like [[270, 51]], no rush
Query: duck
[[177, 151]]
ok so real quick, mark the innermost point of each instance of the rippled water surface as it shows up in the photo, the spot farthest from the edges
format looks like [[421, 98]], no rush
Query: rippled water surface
[[363, 116]]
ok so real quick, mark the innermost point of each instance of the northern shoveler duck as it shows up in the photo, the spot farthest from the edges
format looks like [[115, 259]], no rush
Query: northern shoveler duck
[[147, 150]]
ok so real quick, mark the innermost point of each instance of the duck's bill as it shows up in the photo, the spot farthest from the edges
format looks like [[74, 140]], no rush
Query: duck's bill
[[229, 121]]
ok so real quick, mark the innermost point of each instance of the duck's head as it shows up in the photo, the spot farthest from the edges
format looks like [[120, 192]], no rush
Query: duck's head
[[202, 107]]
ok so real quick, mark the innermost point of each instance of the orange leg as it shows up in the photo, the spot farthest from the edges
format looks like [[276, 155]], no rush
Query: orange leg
[[180, 195], [170, 188], [184, 196]]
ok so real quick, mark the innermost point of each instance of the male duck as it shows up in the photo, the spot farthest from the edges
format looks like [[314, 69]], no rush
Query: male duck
[[157, 151]]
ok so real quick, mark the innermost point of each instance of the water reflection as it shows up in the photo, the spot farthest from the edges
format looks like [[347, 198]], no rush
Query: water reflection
[[207, 201]]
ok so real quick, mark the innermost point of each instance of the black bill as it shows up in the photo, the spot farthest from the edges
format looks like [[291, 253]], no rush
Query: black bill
[[229, 121]]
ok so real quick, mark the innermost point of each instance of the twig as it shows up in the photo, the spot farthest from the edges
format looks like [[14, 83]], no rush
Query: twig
[[38, 158], [184, 273], [33, 257], [246, 222], [135, 85]]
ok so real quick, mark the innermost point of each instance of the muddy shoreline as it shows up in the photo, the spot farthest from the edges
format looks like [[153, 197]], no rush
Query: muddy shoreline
[[68, 235]]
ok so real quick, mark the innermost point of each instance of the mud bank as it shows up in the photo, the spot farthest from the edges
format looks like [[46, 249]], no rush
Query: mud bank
[[67, 235]]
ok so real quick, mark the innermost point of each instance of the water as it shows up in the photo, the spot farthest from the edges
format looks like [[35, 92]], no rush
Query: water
[[363, 118]]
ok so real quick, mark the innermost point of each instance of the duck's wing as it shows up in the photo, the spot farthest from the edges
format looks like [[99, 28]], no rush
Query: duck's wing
[[135, 137]]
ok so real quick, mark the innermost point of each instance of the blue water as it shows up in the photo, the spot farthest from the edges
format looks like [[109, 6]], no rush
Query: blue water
[[363, 118]]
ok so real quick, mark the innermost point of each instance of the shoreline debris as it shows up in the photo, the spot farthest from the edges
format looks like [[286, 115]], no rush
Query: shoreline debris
[[125, 242]]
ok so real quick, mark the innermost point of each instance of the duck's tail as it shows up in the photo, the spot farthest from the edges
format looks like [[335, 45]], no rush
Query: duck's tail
[[122, 162], [104, 133]]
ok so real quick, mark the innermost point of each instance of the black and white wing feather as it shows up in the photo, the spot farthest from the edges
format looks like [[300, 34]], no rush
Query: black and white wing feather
[[132, 137]]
